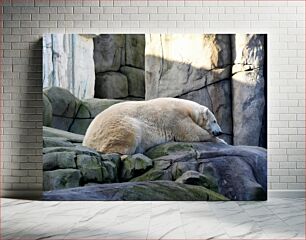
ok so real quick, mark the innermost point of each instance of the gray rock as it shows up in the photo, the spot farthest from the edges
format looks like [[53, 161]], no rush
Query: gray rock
[[136, 191], [173, 70], [77, 149], [153, 175], [178, 148], [83, 112], [68, 63], [64, 107], [248, 88], [61, 178], [58, 160], [47, 114], [96, 105], [134, 166], [179, 168], [108, 51], [90, 168], [135, 50], [136, 81], [79, 126], [196, 178], [56, 142], [109, 171], [53, 132], [111, 85], [112, 157]]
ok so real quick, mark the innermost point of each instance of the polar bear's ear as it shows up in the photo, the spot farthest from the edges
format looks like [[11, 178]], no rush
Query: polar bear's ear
[[205, 112]]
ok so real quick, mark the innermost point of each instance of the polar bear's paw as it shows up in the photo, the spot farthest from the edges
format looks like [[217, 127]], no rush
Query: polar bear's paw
[[219, 140]]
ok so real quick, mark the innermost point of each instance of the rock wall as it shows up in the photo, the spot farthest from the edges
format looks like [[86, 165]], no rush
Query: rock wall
[[119, 66], [221, 71], [68, 63]]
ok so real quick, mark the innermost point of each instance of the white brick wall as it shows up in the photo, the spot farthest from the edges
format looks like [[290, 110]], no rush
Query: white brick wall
[[24, 22]]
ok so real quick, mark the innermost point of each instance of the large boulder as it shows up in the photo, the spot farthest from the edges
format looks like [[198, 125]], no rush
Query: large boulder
[[61, 178], [237, 172], [108, 52], [68, 63], [58, 160], [57, 133], [136, 81], [135, 50], [111, 85], [200, 73], [96, 105], [90, 168], [248, 89], [136, 191], [134, 165], [64, 107], [56, 142]]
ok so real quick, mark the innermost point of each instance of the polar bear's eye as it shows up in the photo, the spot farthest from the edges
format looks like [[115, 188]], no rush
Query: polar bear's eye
[[214, 121]]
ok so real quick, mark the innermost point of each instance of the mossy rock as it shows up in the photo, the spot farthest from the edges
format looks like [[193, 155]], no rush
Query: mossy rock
[[61, 178], [169, 148], [153, 175], [90, 168]]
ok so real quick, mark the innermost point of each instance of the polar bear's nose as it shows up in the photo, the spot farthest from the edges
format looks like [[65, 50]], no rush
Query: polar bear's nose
[[216, 133]]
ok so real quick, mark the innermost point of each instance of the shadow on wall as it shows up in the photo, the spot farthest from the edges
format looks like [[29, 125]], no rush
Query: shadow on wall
[[226, 73]]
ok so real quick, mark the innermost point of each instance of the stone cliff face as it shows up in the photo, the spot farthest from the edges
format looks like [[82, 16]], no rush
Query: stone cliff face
[[221, 71], [68, 63]]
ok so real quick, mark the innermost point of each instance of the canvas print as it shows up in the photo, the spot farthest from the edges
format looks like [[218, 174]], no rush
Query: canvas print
[[155, 117]]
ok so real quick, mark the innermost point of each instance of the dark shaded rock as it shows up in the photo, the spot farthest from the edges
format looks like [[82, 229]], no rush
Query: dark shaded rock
[[248, 88], [90, 168], [178, 168], [79, 126], [58, 160], [135, 165], [136, 81], [56, 142], [53, 132], [111, 85], [108, 51], [109, 171], [196, 178], [112, 157], [135, 50], [136, 191], [61, 178], [153, 175]]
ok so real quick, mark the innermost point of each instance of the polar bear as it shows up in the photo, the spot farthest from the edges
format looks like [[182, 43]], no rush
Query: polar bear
[[135, 126]]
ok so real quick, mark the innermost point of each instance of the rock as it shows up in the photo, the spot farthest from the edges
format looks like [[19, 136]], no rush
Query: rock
[[196, 178], [111, 85], [53, 132], [112, 157], [167, 62], [169, 148], [239, 172], [61, 178], [109, 171], [136, 191], [248, 106], [153, 175], [90, 168], [80, 150], [47, 114], [58, 160], [64, 107], [96, 105], [108, 51], [68, 63], [248, 88], [134, 166], [135, 50], [56, 142], [136, 81], [83, 112], [79, 126]]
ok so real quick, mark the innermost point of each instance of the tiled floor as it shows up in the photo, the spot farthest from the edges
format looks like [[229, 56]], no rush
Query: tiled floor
[[274, 219]]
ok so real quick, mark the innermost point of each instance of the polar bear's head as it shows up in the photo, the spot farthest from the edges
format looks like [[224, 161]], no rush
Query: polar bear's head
[[209, 122]]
